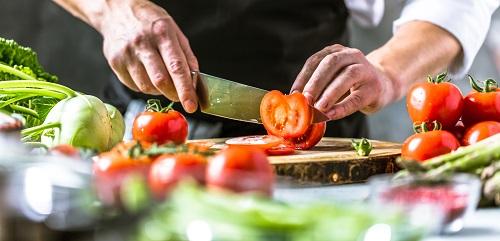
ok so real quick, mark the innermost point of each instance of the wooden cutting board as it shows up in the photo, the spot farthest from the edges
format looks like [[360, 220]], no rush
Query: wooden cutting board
[[333, 161]]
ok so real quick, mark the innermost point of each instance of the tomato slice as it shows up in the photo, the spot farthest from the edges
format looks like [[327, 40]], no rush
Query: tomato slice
[[287, 116], [281, 150], [312, 136], [263, 142]]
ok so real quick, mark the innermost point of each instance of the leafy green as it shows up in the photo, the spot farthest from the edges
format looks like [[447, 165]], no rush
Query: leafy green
[[225, 216], [19, 62]]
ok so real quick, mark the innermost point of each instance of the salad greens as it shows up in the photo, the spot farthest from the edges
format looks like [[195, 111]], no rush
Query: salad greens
[[52, 113], [223, 216]]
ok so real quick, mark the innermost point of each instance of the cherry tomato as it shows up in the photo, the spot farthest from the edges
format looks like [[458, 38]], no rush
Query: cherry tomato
[[312, 136], [160, 126], [241, 169], [286, 116], [480, 131], [482, 104], [458, 130], [435, 100], [259, 141], [65, 150], [281, 150], [168, 170], [425, 145], [111, 169]]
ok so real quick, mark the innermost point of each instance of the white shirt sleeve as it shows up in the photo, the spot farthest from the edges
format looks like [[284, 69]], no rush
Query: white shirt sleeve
[[467, 20], [366, 13]]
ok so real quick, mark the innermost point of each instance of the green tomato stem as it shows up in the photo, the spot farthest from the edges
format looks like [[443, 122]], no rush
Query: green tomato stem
[[14, 71], [38, 85], [33, 92], [24, 110], [41, 127], [363, 147]]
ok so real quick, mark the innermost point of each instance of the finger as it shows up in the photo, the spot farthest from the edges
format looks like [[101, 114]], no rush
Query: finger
[[326, 70], [177, 66], [347, 78], [352, 103], [188, 52], [125, 78], [141, 78], [158, 73], [311, 65]]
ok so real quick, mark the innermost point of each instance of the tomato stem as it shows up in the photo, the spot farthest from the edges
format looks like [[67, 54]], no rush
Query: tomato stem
[[440, 78], [154, 105], [490, 85], [363, 147], [423, 126]]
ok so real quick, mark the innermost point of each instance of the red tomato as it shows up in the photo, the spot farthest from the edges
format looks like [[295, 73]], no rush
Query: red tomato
[[458, 130], [168, 170], [286, 116], [435, 101], [312, 136], [160, 127], [280, 150], [111, 169], [259, 141], [425, 145], [480, 131], [65, 150], [482, 104], [241, 169]]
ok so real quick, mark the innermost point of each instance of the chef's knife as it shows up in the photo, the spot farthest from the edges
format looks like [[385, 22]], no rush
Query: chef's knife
[[229, 99]]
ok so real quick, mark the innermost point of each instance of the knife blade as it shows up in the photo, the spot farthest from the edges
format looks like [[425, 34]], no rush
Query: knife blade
[[233, 100]]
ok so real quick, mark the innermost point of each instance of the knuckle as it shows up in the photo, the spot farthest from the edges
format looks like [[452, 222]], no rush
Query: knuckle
[[176, 67], [353, 71], [136, 40], [331, 59], [160, 27], [357, 52]]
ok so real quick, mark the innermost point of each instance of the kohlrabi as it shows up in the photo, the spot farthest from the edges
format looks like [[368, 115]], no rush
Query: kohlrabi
[[54, 114]]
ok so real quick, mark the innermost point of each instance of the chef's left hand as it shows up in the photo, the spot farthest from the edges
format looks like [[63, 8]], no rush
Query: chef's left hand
[[340, 81]]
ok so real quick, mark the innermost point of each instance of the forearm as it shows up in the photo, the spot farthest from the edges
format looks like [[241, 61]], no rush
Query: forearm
[[417, 49]]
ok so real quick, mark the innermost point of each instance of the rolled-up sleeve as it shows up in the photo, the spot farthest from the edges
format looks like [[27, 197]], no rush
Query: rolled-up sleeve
[[467, 20]]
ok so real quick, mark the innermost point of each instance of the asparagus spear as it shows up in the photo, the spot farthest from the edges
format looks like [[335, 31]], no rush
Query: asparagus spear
[[491, 188]]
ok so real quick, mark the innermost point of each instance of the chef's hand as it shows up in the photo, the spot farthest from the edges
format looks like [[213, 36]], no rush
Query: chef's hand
[[340, 81], [148, 52]]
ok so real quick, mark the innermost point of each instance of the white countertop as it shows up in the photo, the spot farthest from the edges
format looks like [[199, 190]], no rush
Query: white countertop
[[483, 225]]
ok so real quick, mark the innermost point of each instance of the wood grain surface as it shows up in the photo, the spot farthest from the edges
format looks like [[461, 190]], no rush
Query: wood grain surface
[[333, 161]]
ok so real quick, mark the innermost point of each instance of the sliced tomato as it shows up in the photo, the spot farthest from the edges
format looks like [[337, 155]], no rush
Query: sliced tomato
[[263, 142], [312, 136], [287, 116], [281, 150]]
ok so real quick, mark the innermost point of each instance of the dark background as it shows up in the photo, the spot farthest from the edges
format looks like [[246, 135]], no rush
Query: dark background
[[70, 49]]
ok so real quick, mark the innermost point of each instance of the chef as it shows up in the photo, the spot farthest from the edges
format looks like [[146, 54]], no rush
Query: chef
[[289, 45]]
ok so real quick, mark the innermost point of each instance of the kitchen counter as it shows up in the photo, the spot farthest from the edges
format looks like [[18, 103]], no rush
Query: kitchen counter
[[483, 225]]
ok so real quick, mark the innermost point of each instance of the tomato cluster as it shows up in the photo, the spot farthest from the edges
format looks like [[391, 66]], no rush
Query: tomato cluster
[[465, 120], [239, 169]]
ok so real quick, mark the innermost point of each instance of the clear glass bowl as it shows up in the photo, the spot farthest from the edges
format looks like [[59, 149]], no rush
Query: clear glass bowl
[[442, 202]]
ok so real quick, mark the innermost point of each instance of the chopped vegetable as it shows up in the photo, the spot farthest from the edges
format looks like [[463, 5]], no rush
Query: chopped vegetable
[[363, 147], [312, 137]]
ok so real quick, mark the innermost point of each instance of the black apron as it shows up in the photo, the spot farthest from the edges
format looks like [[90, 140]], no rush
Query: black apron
[[263, 43]]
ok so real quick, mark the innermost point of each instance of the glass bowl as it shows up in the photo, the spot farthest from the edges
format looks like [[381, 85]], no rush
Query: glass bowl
[[443, 202]]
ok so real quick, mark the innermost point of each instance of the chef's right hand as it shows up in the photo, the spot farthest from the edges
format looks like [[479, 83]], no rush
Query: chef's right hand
[[148, 52]]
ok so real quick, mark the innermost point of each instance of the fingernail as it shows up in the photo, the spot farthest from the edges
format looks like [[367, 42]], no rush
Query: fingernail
[[294, 91], [309, 98], [189, 106]]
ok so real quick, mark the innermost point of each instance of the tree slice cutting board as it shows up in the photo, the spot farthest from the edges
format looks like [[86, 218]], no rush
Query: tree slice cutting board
[[333, 161]]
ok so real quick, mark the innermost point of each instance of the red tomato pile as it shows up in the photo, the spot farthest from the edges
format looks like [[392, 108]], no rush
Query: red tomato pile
[[464, 120], [288, 120], [159, 154]]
